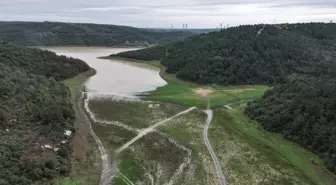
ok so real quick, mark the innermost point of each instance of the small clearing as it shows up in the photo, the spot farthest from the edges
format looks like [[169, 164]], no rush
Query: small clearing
[[203, 92]]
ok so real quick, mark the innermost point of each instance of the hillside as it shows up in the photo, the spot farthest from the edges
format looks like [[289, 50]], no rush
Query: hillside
[[76, 34], [303, 111], [35, 111], [299, 59], [258, 54]]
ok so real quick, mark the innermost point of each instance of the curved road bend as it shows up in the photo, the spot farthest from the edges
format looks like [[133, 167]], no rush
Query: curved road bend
[[221, 177]]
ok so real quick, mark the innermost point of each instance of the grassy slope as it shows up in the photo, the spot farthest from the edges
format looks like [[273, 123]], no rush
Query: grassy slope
[[244, 158], [85, 165], [275, 145]]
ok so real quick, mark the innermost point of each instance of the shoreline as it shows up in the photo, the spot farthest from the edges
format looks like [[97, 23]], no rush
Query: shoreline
[[84, 167]]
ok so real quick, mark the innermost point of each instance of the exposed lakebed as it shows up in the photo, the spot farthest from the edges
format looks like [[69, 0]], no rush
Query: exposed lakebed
[[155, 158]]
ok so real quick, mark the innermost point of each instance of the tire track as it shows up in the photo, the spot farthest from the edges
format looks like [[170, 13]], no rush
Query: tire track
[[220, 175]]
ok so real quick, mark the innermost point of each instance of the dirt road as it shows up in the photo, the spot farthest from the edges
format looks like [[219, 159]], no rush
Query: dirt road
[[221, 177], [151, 129]]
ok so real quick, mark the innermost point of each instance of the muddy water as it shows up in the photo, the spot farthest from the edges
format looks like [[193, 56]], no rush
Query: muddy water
[[114, 77]]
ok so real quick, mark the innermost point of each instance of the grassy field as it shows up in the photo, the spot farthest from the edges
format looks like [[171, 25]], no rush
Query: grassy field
[[85, 162], [182, 92]]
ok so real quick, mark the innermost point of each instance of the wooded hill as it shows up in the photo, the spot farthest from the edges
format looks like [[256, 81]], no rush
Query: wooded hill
[[299, 57], [258, 54], [77, 34], [35, 111], [304, 111]]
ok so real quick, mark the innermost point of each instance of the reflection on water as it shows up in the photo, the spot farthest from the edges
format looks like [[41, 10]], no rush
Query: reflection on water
[[114, 77]]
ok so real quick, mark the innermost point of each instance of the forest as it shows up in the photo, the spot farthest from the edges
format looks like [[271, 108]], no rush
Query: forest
[[304, 111], [35, 111], [76, 34], [299, 60], [253, 54]]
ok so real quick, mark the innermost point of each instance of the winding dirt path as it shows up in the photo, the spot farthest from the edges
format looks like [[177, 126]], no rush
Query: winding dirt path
[[108, 168], [151, 129], [221, 177]]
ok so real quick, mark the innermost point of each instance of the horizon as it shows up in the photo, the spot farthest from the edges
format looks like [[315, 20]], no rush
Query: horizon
[[163, 14], [169, 28]]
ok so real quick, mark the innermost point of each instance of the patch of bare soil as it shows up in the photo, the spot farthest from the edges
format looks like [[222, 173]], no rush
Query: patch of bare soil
[[79, 143], [203, 92], [240, 90], [323, 173]]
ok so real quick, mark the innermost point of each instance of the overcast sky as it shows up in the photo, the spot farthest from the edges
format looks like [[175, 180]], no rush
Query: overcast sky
[[164, 13]]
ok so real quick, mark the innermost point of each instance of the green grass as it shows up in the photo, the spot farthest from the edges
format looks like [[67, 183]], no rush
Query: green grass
[[275, 146], [67, 182], [123, 109], [130, 167], [182, 92]]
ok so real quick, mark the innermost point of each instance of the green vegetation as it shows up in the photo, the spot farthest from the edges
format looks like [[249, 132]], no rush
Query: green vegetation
[[301, 57], [66, 182], [303, 111], [77, 34], [257, 54], [123, 109], [274, 146], [183, 92], [35, 110], [85, 153], [153, 155], [248, 154]]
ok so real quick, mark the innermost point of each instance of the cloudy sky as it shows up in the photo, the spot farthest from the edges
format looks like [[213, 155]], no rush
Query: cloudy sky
[[164, 13]]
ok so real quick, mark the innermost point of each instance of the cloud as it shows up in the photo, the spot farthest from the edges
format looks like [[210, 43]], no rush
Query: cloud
[[154, 13]]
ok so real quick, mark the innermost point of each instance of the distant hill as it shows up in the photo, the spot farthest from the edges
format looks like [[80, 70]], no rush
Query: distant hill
[[254, 54], [35, 110], [61, 34]]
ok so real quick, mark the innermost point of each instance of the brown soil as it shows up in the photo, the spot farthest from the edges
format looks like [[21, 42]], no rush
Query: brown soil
[[79, 143], [203, 92], [323, 173]]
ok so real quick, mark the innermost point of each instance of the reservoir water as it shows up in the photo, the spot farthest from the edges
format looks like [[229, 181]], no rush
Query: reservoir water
[[114, 77]]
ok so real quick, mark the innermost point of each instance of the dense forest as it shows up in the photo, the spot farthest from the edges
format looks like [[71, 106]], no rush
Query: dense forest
[[254, 54], [76, 34], [35, 111], [303, 110]]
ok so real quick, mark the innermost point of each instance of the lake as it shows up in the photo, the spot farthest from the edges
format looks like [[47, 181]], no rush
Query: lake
[[114, 77]]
